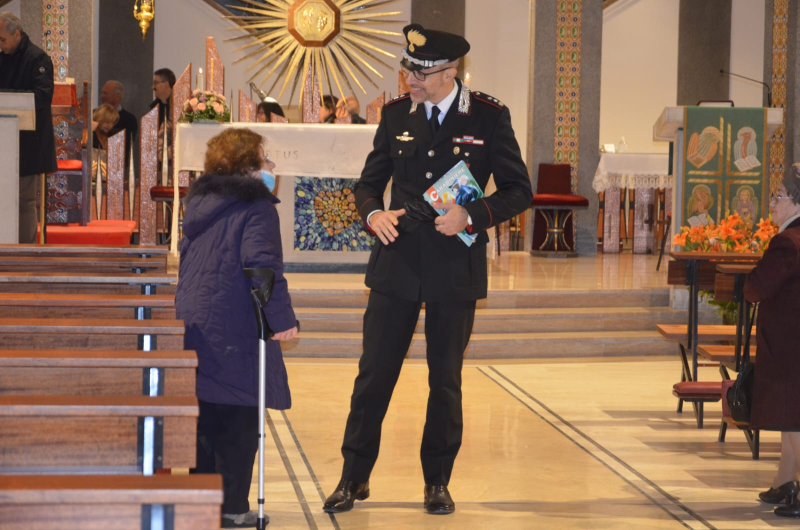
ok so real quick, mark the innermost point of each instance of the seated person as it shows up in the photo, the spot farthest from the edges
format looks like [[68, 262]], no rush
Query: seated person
[[267, 107], [349, 106], [104, 118], [327, 113]]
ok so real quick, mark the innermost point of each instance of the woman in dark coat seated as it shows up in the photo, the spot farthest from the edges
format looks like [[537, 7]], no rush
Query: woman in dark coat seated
[[231, 223], [775, 285]]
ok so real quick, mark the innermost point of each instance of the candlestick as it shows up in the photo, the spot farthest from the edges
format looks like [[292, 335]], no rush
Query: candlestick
[[200, 85]]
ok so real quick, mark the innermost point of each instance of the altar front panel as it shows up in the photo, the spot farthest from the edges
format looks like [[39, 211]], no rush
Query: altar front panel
[[303, 153]]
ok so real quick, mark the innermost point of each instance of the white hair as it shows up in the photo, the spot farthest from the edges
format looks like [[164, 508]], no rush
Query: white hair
[[119, 88], [10, 21]]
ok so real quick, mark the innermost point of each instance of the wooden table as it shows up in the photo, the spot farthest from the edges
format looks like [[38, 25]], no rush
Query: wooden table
[[691, 263]]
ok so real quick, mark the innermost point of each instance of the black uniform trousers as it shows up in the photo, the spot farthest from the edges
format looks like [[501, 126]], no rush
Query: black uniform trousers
[[389, 324], [227, 442]]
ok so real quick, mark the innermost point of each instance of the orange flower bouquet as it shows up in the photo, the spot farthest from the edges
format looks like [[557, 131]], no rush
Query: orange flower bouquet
[[733, 234]]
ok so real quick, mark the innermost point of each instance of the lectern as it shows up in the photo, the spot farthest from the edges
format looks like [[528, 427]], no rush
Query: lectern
[[17, 113]]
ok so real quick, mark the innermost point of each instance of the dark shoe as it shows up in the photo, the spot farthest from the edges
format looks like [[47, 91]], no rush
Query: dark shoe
[[346, 494], [785, 494], [792, 510], [438, 500]]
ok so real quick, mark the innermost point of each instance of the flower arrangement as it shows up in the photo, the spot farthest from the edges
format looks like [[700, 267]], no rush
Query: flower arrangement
[[205, 106], [733, 234]]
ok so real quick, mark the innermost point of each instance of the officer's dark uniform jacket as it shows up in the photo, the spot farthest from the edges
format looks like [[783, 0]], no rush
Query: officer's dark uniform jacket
[[423, 264]]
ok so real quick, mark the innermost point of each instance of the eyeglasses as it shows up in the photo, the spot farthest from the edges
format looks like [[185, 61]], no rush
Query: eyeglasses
[[158, 82], [421, 75], [268, 160], [775, 197]]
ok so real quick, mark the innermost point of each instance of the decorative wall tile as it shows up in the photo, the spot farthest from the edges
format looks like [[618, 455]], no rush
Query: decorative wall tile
[[55, 35], [780, 39]]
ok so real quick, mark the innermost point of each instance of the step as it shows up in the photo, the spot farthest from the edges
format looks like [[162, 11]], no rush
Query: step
[[498, 299], [499, 345], [522, 320]]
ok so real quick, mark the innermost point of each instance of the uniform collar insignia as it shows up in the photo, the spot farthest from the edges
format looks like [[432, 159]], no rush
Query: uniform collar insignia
[[464, 100], [413, 108]]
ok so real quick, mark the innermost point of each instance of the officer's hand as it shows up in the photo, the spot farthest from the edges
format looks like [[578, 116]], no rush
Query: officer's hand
[[452, 222], [384, 223], [289, 334]]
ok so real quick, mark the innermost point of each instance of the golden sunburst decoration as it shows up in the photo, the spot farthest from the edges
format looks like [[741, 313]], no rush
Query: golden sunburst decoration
[[333, 38]]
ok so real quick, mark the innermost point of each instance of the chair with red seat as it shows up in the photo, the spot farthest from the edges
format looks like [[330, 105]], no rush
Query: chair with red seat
[[554, 203]]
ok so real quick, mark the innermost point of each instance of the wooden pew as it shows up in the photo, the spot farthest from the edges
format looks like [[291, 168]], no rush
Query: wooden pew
[[87, 306], [82, 264], [183, 502], [76, 333], [706, 333], [96, 372], [142, 251], [74, 282], [723, 354], [93, 434]]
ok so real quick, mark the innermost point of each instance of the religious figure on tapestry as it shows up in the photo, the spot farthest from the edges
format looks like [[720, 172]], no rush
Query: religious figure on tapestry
[[745, 203], [702, 147], [745, 150], [699, 204]]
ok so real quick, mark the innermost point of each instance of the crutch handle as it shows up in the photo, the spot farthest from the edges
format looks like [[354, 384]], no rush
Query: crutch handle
[[260, 297]]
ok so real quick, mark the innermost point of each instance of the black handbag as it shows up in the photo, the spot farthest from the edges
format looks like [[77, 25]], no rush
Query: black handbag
[[740, 394]]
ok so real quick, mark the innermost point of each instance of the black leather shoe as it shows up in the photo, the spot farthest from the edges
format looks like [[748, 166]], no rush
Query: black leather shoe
[[346, 494], [784, 494], [438, 500], [792, 510]]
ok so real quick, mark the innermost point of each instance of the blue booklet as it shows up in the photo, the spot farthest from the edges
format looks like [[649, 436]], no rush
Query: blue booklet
[[456, 186]]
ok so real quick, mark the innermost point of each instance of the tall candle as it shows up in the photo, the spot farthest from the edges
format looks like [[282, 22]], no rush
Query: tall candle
[[131, 181], [200, 85]]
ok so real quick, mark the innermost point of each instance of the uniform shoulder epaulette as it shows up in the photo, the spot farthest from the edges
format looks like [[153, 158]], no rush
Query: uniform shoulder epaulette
[[486, 98], [398, 98]]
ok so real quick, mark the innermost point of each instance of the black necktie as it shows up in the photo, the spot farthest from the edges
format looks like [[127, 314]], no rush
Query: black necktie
[[434, 121]]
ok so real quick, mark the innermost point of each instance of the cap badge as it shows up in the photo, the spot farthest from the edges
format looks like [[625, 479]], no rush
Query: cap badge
[[415, 38]]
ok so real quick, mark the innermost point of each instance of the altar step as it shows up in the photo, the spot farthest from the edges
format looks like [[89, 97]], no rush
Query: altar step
[[508, 324]]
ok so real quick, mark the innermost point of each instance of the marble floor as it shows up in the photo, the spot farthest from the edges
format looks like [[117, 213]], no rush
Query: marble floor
[[551, 444], [520, 271]]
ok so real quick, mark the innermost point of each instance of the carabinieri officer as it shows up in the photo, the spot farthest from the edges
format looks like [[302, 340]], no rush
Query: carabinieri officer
[[422, 135]]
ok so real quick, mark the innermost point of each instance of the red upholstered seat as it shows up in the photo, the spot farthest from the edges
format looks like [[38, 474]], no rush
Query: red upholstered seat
[[70, 165], [557, 200], [167, 193], [95, 233], [705, 390]]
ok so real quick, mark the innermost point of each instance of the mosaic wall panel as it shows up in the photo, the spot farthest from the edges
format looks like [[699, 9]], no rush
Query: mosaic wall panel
[[568, 81], [326, 218], [64, 198], [55, 36], [780, 38]]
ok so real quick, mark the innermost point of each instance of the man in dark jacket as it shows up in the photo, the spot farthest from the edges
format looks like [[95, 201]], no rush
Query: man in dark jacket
[[112, 93], [24, 67], [421, 136]]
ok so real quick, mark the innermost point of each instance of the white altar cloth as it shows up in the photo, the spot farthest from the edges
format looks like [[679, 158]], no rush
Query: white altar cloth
[[318, 150], [633, 171]]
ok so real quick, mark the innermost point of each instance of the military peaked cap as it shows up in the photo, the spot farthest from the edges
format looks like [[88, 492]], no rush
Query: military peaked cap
[[426, 48]]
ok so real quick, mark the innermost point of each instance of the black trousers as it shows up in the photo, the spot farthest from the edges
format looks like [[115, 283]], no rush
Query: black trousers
[[389, 324], [227, 442], [27, 208]]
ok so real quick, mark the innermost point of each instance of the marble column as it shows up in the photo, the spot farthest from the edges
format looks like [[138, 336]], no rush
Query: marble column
[[577, 104]]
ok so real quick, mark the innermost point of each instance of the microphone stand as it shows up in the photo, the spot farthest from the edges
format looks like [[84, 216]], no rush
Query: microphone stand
[[769, 90]]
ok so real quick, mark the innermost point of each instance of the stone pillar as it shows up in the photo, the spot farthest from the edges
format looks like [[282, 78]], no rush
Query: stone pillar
[[704, 48], [575, 105]]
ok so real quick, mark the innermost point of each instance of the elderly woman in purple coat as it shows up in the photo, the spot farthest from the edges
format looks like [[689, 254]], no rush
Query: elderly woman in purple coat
[[231, 223], [775, 285]]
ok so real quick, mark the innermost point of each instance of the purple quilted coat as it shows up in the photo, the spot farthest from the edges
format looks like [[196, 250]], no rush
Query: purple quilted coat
[[231, 223]]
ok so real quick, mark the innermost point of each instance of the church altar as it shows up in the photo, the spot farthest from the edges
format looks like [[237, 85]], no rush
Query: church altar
[[316, 166], [634, 214]]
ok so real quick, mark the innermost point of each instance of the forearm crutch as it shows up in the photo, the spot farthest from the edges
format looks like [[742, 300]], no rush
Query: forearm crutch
[[260, 297]]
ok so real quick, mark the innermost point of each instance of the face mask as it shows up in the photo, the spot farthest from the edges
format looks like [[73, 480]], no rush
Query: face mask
[[269, 179]]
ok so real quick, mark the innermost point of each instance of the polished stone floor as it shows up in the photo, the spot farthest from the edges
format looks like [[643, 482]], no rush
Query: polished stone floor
[[552, 444]]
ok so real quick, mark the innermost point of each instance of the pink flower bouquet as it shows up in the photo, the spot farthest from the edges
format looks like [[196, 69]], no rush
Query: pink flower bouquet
[[205, 106]]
